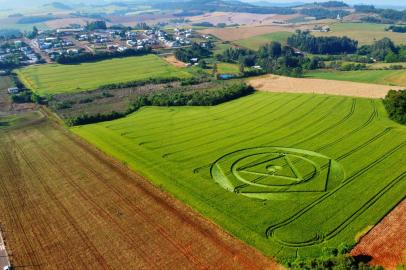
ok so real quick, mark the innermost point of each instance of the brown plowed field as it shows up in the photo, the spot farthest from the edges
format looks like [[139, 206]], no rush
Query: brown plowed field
[[65, 205], [273, 83], [386, 242]]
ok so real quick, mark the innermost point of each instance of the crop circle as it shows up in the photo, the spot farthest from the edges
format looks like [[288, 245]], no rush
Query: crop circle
[[277, 172]]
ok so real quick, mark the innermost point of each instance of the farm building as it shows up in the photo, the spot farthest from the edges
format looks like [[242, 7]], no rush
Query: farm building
[[13, 90]]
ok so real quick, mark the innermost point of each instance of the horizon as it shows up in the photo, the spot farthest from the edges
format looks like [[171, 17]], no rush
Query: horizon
[[7, 4]]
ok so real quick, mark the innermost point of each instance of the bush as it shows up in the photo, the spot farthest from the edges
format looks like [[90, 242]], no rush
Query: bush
[[395, 104]]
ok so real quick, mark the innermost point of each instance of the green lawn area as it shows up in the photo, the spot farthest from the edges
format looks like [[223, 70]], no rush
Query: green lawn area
[[286, 173], [55, 78], [365, 33], [228, 68], [220, 47], [387, 77], [254, 43]]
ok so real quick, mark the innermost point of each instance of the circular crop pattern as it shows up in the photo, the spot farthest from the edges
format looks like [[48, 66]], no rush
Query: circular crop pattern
[[277, 172]]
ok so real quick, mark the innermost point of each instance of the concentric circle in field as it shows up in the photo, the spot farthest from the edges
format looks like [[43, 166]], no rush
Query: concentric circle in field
[[277, 172]]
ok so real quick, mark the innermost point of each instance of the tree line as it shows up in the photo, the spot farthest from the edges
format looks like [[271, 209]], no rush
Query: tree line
[[304, 41], [93, 57], [171, 98]]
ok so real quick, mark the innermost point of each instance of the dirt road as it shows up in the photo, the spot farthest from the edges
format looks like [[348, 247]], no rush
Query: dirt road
[[64, 205]]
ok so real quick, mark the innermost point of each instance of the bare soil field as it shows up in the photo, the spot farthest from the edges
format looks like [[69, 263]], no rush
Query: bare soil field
[[173, 61], [386, 242], [237, 33], [64, 22], [273, 83], [240, 18], [65, 205], [132, 20]]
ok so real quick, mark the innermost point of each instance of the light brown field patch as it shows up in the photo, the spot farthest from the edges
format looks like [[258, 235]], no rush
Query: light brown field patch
[[65, 22], [237, 33], [240, 18], [173, 61], [273, 83], [386, 242], [65, 205]]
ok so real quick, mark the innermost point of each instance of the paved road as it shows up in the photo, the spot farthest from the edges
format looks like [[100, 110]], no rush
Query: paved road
[[36, 49]]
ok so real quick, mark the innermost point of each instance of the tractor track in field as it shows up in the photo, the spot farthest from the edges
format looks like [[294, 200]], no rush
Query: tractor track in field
[[269, 230], [104, 214], [166, 155], [145, 222], [63, 209], [343, 120], [159, 200]]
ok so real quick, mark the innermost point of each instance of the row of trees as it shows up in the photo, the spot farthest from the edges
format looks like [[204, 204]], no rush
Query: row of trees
[[384, 50], [396, 28], [304, 41], [390, 14], [90, 57], [322, 13], [171, 98]]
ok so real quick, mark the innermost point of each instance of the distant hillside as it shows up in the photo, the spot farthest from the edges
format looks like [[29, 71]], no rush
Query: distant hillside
[[200, 6], [58, 5]]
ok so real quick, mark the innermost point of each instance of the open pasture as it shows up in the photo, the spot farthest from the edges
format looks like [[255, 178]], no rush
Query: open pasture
[[57, 79], [365, 33], [287, 173], [65, 205], [384, 77], [254, 43]]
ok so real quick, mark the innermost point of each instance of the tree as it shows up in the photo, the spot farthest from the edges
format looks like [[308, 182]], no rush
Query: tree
[[202, 64], [34, 33], [215, 68], [395, 104], [241, 67]]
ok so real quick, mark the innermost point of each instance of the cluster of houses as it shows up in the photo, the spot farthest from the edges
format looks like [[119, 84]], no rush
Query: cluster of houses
[[54, 45], [18, 52], [321, 28]]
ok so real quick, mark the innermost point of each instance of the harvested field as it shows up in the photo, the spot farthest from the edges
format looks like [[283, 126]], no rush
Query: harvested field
[[244, 32], [273, 83], [387, 77], [233, 34], [64, 205], [240, 18], [173, 61], [64, 22], [365, 33], [386, 242]]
